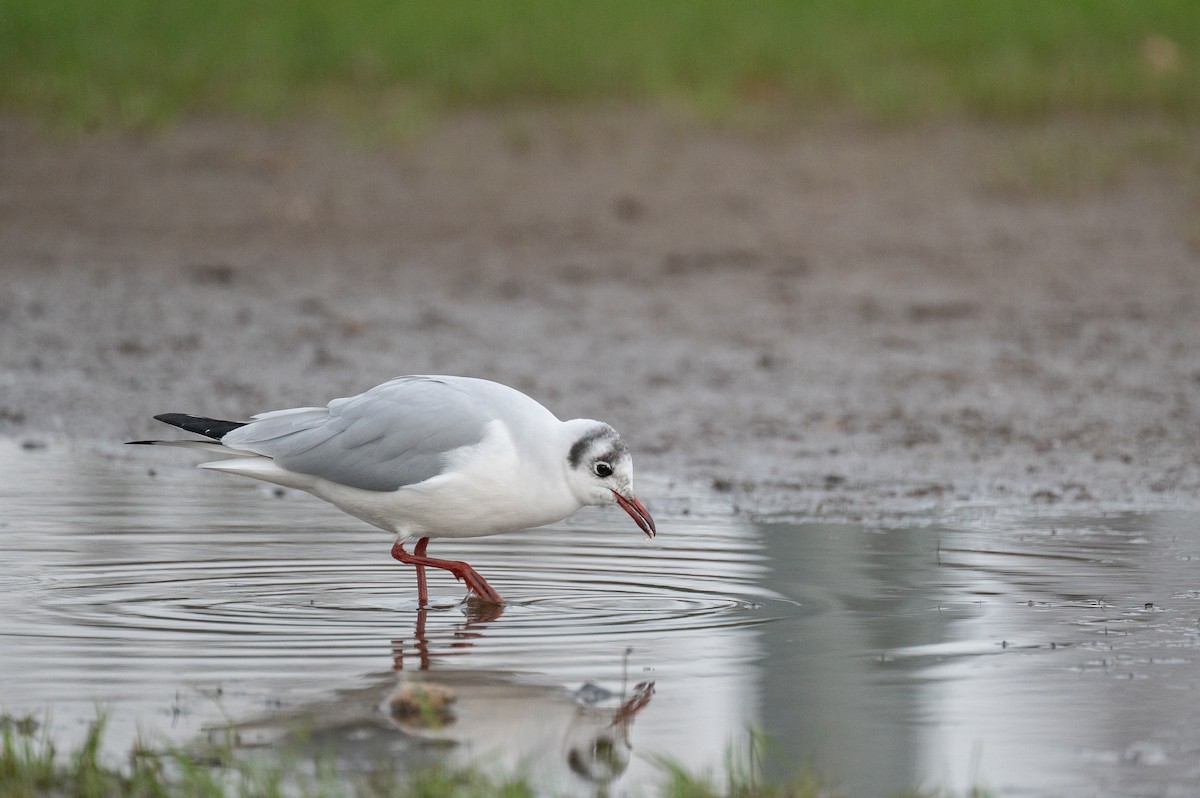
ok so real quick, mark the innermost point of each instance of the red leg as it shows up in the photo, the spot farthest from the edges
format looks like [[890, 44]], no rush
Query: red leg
[[422, 586], [462, 571]]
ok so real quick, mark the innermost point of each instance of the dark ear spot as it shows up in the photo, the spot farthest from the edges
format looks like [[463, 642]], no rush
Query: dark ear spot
[[615, 453], [580, 447]]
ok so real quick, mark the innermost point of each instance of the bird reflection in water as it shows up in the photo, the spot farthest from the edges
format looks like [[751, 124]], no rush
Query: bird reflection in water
[[599, 752], [563, 741], [489, 714], [478, 613]]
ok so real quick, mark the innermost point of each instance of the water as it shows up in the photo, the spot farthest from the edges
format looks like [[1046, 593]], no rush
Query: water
[[1050, 655]]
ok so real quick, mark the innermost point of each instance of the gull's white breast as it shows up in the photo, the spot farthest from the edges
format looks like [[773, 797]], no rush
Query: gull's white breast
[[486, 489]]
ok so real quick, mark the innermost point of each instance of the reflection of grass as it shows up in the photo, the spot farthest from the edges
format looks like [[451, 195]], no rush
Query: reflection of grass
[[31, 767], [1057, 166], [132, 62], [1064, 162]]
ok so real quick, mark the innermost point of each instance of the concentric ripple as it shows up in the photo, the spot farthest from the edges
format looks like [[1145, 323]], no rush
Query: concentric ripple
[[131, 588], [563, 583]]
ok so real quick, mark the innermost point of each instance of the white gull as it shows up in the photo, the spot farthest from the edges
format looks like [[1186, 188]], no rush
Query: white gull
[[431, 456]]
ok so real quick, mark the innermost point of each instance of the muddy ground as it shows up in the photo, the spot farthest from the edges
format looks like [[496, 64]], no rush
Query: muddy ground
[[832, 318]]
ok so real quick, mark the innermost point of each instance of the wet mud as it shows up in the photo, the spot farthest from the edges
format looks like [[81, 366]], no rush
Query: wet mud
[[829, 320]]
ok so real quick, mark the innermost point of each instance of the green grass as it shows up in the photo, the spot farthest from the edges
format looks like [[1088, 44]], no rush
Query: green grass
[[32, 767], [139, 62]]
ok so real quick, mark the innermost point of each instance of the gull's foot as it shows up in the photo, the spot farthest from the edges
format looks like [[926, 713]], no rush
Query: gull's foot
[[477, 584], [462, 572]]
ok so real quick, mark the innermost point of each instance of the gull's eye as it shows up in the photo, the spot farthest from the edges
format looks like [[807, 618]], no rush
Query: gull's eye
[[602, 469]]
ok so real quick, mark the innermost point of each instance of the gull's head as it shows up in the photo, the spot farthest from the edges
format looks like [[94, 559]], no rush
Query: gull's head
[[600, 470]]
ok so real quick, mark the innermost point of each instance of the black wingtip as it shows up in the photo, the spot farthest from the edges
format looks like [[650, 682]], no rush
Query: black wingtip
[[140, 443], [213, 428]]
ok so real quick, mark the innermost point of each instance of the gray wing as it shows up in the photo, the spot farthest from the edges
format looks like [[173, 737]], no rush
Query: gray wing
[[393, 435]]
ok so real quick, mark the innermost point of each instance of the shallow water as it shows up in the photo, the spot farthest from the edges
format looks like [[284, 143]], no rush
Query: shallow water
[[1050, 655]]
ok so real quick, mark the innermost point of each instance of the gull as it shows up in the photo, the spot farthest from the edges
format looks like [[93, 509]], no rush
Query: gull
[[427, 457]]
